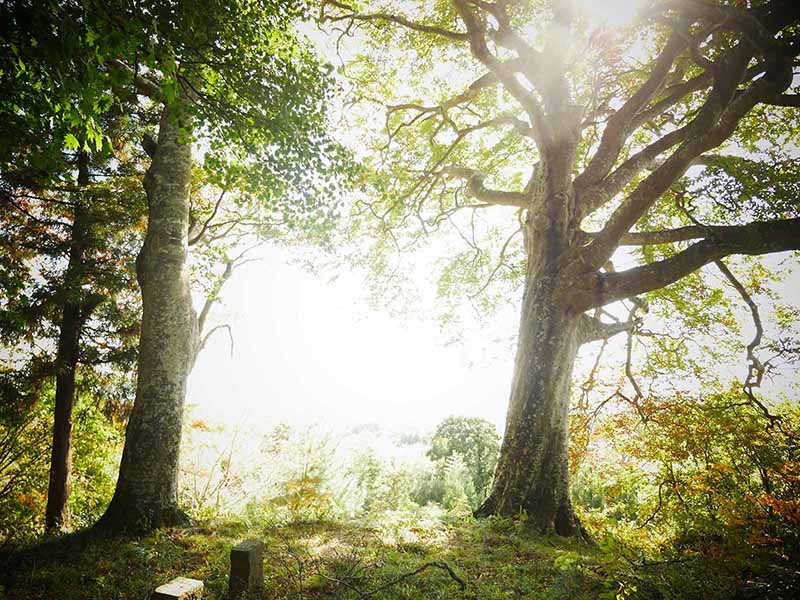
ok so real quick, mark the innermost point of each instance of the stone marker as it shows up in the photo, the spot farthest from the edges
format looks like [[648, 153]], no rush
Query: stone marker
[[247, 570], [180, 588]]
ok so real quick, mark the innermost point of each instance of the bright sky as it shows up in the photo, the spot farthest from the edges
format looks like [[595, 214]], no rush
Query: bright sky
[[311, 351]]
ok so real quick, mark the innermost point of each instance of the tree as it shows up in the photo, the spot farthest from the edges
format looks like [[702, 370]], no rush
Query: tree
[[595, 135], [476, 441], [69, 225], [231, 71]]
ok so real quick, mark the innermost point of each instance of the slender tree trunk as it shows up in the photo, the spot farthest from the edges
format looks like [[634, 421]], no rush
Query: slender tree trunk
[[146, 495], [57, 511], [532, 475]]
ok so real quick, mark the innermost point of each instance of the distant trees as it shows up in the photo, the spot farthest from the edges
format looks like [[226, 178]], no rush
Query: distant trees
[[475, 441]]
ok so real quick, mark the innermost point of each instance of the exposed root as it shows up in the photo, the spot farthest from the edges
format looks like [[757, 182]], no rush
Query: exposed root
[[138, 520]]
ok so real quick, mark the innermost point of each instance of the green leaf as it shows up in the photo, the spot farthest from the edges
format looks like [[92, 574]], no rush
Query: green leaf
[[71, 142]]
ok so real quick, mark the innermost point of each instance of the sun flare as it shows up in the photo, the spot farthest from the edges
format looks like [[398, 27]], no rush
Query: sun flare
[[611, 12]]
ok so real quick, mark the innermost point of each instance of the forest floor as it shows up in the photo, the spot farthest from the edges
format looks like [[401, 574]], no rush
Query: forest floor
[[489, 560]]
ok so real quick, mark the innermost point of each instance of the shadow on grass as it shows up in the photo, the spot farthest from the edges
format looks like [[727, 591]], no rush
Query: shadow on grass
[[393, 557]]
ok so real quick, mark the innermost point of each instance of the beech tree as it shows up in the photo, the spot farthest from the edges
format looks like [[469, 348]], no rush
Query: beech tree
[[237, 70], [233, 74], [596, 144]]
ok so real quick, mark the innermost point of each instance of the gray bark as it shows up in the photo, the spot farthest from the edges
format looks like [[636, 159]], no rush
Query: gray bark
[[532, 473], [146, 495]]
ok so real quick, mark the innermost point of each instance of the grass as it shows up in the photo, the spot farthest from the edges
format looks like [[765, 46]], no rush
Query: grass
[[495, 559], [324, 560]]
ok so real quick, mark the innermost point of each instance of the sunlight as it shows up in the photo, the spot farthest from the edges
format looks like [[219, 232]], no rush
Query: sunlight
[[611, 12], [399, 298]]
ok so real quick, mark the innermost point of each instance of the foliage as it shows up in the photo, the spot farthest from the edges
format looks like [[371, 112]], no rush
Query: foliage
[[24, 462], [714, 530], [459, 493], [23, 475], [476, 443]]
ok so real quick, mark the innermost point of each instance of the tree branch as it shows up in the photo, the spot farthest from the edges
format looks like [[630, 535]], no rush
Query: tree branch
[[679, 234], [592, 329], [480, 50], [212, 331], [144, 85], [199, 236], [352, 15], [620, 124], [755, 369], [437, 565], [715, 122], [483, 82], [762, 237], [791, 100], [478, 190]]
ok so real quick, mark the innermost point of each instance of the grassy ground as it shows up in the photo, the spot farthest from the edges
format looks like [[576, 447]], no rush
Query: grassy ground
[[350, 560], [322, 560]]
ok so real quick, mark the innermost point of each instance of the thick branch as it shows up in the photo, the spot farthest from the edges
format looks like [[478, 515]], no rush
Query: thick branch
[[679, 234], [791, 100], [620, 123], [763, 237], [478, 190], [480, 50], [592, 330], [647, 158], [713, 125], [144, 85]]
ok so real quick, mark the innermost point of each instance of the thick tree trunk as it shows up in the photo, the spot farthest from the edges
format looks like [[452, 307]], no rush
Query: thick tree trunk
[[532, 475], [57, 512], [146, 495]]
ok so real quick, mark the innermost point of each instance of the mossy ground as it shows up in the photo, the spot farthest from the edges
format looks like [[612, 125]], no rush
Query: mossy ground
[[496, 559], [322, 560]]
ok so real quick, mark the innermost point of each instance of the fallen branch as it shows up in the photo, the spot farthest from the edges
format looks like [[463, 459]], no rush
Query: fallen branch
[[437, 565]]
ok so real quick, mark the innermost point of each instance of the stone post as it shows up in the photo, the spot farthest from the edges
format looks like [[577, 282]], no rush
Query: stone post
[[247, 570]]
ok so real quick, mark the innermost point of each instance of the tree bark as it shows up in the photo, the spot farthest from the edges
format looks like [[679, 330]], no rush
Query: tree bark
[[146, 494], [532, 475], [57, 511]]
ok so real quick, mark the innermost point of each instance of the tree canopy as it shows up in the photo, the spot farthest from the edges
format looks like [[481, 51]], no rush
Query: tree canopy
[[559, 147]]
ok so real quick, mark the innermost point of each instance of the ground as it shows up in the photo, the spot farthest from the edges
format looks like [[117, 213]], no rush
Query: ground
[[495, 559]]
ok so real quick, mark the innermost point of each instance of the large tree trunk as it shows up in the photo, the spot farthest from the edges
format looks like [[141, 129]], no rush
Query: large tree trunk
[[532, 475], [57, 512], [146, 495]]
